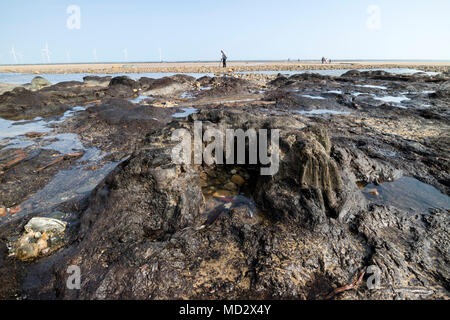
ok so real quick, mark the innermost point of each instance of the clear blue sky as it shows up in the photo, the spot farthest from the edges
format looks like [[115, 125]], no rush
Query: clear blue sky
[[246, 29]]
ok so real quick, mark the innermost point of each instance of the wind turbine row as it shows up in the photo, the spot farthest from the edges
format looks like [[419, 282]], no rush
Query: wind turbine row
[[46, 53]]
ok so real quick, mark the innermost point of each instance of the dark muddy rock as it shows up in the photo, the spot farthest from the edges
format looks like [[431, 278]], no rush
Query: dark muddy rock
[[145, 83], [21, 103], [168, 86], [351, 74], [222, 86], [299, 234], [116, 125], [122, 87], [97, 81], [49, 101]]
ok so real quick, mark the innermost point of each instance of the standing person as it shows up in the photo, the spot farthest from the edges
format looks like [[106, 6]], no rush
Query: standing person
[[224, 59]]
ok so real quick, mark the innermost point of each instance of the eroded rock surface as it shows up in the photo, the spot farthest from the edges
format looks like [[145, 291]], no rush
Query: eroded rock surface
[[152, 229]]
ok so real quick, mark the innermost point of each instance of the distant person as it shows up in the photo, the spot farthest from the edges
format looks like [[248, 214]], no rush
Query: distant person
[[323, 60], [224, 59]]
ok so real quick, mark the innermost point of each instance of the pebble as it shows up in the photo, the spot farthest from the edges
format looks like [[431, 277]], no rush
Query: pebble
[[222, 194], [373, 192], [27, 251], [237, 179], [2, 212], [231, 186]]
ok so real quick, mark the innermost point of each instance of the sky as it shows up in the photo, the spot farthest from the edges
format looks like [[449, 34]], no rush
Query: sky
[[78, 31]]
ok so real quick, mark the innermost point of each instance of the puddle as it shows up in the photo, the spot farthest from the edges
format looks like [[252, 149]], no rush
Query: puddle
[[323, 111], [65, 186], [12, 133], [225, 190], [63, 143], [335, 92], [12, 129], [392, 99], [139, 99], [187, 95], [313, 97], [409, 194], [340, 72], [371, 86], [186, 112]]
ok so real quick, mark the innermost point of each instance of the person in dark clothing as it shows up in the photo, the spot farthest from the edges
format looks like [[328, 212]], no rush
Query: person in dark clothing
[[224, 59]]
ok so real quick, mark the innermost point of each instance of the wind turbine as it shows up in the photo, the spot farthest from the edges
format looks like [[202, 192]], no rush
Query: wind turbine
[[95, 55], [68, 56], [46, 53], [13, 52], [160, 55], [125, 53]]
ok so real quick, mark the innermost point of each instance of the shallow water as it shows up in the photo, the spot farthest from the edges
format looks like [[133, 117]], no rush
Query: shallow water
[[313, 97], [63, 143], [409, 194], [186, 112], [335, 92], [371, 86], [12, 132], [323, 111], [65, 186], [139, 99], [392, 99], [338, 73]]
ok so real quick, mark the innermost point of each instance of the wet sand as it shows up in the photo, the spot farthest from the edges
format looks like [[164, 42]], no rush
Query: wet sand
[[214, 67]]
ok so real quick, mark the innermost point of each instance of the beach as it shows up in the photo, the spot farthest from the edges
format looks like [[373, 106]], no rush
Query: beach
[[214, 67]]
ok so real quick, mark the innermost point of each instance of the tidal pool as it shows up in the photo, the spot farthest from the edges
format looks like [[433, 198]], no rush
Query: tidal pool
[[408, 194]]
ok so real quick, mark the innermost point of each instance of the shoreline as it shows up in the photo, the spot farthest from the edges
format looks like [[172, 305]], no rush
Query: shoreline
[[213, 67]]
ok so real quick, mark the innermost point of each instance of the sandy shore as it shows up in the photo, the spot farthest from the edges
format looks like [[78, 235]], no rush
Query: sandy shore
[[214, 67]]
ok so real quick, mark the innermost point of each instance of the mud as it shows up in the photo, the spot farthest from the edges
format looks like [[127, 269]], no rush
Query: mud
[[142, 227]]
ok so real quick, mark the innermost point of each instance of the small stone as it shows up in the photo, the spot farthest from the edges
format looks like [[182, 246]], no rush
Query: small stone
[[237, 179], [48, 225], [230, 186], [222, 194], [41, 244], [13, 211], [27, 251], [373, 192], [2, 212], [39, 82]]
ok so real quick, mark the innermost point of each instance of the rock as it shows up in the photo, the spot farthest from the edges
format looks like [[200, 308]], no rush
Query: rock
[[351, 73], [39, 82], [27, 251], [47, 225], [97, 81], [2, 212], [222, 194], [231, 186], [41, 244], [373, 192], [237, 179]]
